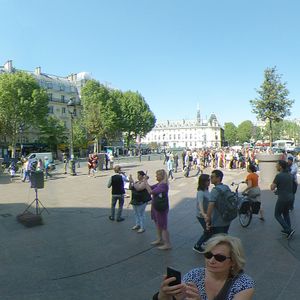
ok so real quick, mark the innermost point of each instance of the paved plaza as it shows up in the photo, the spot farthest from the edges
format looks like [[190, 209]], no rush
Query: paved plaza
[[80, 254]]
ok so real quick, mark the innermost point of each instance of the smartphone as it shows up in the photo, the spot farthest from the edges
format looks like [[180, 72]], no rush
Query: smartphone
[[173, 273]]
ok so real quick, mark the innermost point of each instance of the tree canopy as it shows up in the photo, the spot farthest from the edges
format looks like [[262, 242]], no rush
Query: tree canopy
[[245, 131], [109, 113], [272, 104], [136, 117], [23, 104], [230, 133], [52, 132]]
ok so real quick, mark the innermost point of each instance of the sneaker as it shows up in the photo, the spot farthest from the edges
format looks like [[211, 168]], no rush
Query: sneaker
[[141, 230], [290, 234], [120, 219], [111, 218], [135, 227], [198, 249]]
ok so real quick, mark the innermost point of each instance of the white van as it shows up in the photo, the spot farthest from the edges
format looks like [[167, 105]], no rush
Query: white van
[[287, 145], [42, 155]]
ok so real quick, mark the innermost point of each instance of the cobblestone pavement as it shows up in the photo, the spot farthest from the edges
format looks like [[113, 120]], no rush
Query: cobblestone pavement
[[79, 254]]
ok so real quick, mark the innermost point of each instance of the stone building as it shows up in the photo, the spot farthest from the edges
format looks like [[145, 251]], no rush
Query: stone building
[[196, 133], [60, 90]]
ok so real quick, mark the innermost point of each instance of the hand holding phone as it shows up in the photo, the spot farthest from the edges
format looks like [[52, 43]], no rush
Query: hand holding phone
[[173, 273]]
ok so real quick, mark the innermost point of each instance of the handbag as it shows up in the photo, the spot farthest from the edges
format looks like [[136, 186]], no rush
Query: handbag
[[160, 202]]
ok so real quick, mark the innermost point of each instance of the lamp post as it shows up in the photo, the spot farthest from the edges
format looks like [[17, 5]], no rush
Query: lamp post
[[71, 110]]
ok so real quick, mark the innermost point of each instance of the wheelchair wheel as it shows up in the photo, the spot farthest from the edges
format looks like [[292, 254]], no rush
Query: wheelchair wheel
[[245, 218]]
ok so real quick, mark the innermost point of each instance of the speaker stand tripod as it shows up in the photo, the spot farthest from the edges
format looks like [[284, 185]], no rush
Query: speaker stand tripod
[[39, 207]]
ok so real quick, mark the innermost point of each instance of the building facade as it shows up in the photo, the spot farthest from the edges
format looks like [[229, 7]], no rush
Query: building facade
[[60, 91], [193, 134]]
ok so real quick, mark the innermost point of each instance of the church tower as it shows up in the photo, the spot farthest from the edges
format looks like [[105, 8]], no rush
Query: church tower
[[198, 114]]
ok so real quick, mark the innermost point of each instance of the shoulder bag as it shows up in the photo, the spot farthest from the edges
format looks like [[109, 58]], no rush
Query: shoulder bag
[[160, 202]]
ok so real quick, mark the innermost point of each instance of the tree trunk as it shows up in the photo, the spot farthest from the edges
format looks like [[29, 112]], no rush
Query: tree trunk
[[271, 132], [96, 145]]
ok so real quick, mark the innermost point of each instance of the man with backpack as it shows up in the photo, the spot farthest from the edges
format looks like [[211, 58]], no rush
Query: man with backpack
[[222, 206]]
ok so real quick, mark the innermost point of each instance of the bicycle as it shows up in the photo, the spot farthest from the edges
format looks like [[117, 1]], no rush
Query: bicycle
[[247, 206]]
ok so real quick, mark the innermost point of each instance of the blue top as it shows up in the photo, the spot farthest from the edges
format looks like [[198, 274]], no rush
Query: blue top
[[197, 276]]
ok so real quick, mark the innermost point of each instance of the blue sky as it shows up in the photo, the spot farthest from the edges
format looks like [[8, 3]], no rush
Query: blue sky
[[177, 54]]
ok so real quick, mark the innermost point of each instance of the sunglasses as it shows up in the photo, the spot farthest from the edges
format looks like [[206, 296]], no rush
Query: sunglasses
[[217, 257]]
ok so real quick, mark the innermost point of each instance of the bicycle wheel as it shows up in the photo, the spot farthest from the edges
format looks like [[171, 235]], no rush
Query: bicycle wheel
[[245, 218]]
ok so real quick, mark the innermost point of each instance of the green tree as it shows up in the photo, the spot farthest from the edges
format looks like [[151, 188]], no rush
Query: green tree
[[286, 130], [230, 132], [257, 133], [245, 131], [136, 117], [272, 104], [22, 104], [52, 132], [80, 137], [99, 113]]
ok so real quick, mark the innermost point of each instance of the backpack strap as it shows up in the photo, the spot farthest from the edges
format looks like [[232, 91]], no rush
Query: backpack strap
[[220, 193], [224, 292]]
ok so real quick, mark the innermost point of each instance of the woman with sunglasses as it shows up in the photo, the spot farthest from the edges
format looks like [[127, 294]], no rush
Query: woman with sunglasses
[[221, 278]]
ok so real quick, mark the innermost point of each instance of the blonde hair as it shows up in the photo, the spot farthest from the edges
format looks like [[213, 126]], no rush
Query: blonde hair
[[236, 250], [163, 174]]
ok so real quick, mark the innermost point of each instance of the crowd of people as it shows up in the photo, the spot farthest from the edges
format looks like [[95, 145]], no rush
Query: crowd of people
[[223, 276]]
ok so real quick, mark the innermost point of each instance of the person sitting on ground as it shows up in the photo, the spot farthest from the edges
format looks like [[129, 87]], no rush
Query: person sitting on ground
[[222, 278]]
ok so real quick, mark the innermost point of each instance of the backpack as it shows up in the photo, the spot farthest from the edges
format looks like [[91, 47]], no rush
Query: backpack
[[227, 204]]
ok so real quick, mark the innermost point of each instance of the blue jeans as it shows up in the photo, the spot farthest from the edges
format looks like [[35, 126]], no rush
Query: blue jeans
[[205, 235], [282, 214], [139, 213], [114, 200]]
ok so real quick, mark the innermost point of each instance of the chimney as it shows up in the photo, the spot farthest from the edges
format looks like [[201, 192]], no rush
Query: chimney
[[8, 66], [37, 71], [70, 77]]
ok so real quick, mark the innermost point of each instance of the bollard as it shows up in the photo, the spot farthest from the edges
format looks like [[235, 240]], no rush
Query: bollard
[[148, 157], [267, 166]]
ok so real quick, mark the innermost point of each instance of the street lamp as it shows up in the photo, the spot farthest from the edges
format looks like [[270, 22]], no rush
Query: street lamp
[[71, 110]]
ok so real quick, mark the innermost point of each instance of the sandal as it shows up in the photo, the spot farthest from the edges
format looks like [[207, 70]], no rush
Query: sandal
[[156, 243], [165, 247]]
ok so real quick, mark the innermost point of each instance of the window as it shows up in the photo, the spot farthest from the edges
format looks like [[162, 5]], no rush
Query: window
[[50, 109], [191, 136], [50, 96], [174, 136], [63, 110], [170, 136], [62, 98], [178, 136], [49, 85]]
